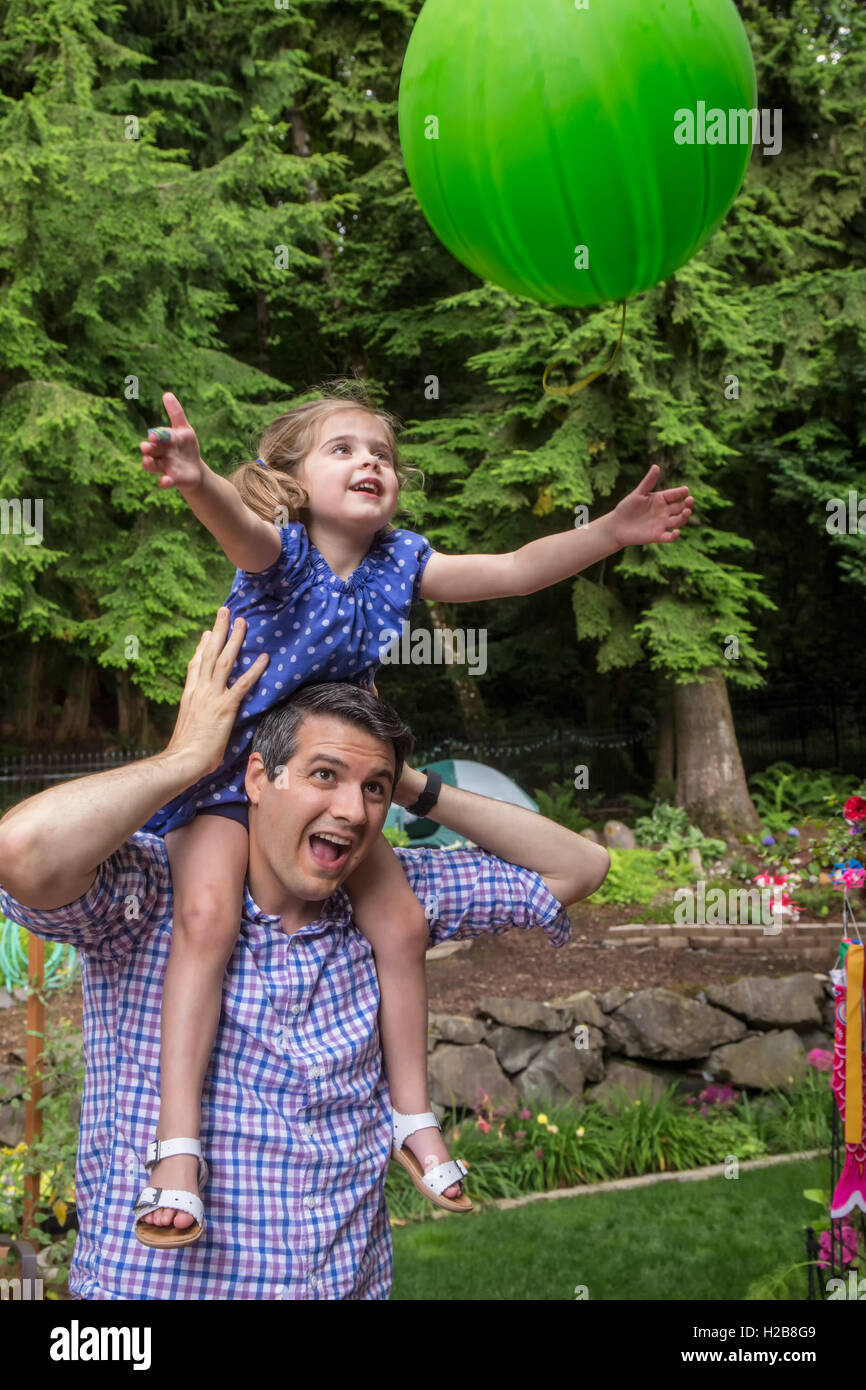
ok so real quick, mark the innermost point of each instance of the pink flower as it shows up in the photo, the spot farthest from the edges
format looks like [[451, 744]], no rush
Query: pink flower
[[525, 1115], [520, 1134], [820, 1058], [855, 808], [539, 1153], [483, 1126], [848, 1252]]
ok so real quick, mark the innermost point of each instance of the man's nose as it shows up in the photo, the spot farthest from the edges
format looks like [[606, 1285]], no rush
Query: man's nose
[[347, 803]]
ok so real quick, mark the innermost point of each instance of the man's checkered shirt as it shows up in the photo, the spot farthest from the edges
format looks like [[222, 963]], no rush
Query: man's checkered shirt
[[296, 1122]]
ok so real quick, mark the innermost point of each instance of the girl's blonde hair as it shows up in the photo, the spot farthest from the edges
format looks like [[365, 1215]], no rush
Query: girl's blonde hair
[[274, 491]]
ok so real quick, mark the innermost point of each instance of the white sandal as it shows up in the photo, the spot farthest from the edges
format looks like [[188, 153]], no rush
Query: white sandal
[[434, 1183], [151, 1198]]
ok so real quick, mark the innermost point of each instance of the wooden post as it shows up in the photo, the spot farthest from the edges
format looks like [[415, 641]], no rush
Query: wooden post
[[35, 1044]]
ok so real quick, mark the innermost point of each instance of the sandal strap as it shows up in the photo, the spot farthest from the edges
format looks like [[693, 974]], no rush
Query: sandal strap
[[159, 1149], [151, 1198], [405, 1125], [445, 1175]]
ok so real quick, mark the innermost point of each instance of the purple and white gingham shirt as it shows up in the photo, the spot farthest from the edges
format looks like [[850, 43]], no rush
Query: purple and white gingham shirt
[[296, 1123]]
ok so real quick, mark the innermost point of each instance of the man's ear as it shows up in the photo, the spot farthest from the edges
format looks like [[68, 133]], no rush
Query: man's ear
[[255, 778]]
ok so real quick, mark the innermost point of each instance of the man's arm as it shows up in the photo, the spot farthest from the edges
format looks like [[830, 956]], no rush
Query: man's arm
[[571, 866], [52, 844]]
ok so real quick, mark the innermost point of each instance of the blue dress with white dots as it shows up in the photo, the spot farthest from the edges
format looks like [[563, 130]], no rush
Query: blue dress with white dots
[[315, 627]]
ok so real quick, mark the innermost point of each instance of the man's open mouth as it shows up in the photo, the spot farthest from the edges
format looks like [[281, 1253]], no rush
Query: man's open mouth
[[329, 850]]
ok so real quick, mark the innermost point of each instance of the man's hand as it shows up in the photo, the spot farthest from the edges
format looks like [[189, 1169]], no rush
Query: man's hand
[[645, 516], [175, 460], [208, 706]]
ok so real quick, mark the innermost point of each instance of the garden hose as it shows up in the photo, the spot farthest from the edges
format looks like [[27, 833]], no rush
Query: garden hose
[[61, 962]]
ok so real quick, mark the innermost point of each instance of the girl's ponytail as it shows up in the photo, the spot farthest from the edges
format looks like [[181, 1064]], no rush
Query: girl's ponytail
[[271, 493]]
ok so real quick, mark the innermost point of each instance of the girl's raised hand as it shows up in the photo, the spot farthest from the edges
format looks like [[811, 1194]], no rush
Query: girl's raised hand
[[644, 516], [172, 455]]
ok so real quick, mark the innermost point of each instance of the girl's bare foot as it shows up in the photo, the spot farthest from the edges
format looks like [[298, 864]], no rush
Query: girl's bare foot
[[179, 1172], [429, 1148]]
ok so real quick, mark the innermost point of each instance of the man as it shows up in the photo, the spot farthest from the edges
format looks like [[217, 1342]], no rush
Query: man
[[296, 1120]]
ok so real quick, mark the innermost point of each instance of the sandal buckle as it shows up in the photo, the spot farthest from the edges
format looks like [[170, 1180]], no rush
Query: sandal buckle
[[146, 1201]]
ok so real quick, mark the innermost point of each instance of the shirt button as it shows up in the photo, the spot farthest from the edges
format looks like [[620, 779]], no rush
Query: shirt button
[[314, 1283], [296, 1009], [309, 1202], [307, 1132]]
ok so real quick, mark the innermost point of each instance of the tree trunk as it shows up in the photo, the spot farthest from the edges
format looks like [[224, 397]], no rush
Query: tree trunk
[[75, 715], [131, 712], [711, 782], [664, 770], [469, 698], [28, 706]]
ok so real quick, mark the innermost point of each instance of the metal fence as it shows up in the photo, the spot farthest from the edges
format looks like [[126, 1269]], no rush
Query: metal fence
[[821, 732]]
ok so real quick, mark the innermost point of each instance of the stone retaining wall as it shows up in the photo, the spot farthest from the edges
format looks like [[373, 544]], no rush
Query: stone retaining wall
[[754, 1034]]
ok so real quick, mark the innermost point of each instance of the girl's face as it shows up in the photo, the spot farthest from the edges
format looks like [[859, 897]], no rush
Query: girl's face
[[349, 474]]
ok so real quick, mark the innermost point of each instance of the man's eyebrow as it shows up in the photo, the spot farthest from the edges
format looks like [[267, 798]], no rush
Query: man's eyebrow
[[338, 762], [353, 439]]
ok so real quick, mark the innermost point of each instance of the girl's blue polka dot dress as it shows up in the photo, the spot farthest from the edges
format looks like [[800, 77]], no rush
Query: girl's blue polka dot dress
[[315, 627]]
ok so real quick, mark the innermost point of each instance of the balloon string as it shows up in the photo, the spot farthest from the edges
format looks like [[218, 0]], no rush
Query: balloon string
[[578, 386]]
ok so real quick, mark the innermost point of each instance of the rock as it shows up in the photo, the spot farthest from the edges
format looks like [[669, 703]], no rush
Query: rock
[[770, 1059], [582, 1008], [612, 998], [11, 1082], [828, 1016], [662, 1024], [11, 1126], [791, 1002], [638, 1083], [455, 1028], [559, 1072], [516, 1047], [591, 835], [6, 1000], [618, 836], [524, 1013], [815, 1038], [695, 858], [463, 1075]]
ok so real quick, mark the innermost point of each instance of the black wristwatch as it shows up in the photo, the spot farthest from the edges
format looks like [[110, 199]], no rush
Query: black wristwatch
[[428, 797]]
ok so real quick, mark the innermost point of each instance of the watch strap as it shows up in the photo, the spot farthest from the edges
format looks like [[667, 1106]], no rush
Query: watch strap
[[428, 797]]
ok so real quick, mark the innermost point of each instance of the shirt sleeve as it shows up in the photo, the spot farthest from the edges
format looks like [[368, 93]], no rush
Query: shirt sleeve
[[466, 892], [130, 895], [284, 572]]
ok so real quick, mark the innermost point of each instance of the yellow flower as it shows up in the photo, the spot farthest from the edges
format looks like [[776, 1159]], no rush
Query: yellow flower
[[553, 1129], [542, 1119], [580, 1132], [637, 1102]]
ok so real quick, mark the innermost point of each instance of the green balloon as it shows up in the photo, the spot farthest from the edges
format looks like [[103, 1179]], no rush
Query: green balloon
[[576, 155]]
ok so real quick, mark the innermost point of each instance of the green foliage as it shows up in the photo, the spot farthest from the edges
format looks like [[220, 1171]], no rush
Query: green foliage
[[669, 827], [395, 836], [558, 804], [638, 876], [785, 795], [54, 1152]]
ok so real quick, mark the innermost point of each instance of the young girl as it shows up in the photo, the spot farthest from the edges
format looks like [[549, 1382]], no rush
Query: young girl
[[320, 573]]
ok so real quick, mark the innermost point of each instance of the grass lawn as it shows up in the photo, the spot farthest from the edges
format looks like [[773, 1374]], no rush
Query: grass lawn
[[704, 1240]]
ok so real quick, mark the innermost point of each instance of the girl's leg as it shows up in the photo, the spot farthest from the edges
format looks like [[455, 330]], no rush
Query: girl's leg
[[388, 913], [208, 860]]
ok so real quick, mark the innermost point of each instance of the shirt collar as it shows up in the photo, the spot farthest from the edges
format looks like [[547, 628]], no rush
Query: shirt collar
[[336, 911]]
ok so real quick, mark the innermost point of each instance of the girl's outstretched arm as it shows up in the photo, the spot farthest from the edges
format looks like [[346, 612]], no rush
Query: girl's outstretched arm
[[249, 542], [643, 516]]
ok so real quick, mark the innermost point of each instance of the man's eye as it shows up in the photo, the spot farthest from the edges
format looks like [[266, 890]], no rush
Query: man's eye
[[326, 771], [377, 788]]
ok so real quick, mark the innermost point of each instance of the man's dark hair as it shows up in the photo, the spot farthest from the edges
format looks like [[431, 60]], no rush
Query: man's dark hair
[[276, 736]]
